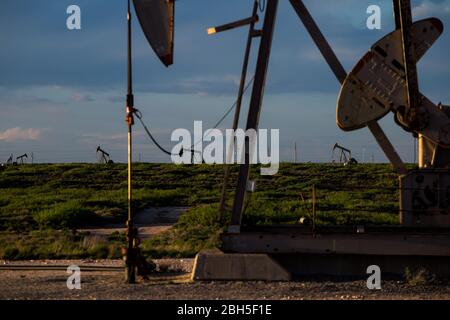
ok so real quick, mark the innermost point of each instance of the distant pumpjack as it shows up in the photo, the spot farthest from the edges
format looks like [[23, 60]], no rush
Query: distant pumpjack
[[10, 160], [21, 158], [104, 156], [345, 156]]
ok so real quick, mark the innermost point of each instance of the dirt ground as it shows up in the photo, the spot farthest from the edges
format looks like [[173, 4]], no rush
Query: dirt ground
[[149, 222], [173, 280], [175, 284]]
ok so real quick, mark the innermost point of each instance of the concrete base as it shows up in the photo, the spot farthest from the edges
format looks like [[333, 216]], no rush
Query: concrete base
[[219, 266], [355, 266], [216, 265], [275, 253]]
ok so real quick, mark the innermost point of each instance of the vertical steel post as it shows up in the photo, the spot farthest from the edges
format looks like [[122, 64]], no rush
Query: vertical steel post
[[255, 109], [397, 15], [130, 255], [404, 17], [237, 111], [399, 12]]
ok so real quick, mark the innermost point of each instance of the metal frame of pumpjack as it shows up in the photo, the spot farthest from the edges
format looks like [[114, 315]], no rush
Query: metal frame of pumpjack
[[403, 18]]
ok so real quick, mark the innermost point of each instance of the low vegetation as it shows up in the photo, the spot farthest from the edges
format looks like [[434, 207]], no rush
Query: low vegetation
[[419, 277], [41, 206]]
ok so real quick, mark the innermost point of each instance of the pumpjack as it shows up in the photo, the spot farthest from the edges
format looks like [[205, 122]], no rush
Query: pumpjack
[[384, 80], [104, 156], [345, 155], [10, 160], [20, 158]]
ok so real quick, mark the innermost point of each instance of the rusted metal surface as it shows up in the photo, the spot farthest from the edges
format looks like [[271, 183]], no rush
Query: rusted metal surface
[[425, 198], [377, 85], [157, 20], [386, 243], [414, 115]]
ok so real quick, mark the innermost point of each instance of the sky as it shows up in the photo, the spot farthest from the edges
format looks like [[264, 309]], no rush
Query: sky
[[62, 93]]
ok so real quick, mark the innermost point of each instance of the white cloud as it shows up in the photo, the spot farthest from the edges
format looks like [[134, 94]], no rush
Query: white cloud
[[15, 134], [201, 81], [428, 9], [82, 97]]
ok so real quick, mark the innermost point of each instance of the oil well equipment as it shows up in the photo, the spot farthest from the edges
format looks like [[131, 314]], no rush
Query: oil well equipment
[[384, 80], [103, 156], [345, 155]]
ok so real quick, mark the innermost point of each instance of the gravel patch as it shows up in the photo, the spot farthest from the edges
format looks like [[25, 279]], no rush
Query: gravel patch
[[175, 284]]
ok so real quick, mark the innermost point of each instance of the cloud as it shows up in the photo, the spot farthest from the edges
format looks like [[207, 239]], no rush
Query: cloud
[[82, 97], [16, 134], [431, 8], [206, 83]]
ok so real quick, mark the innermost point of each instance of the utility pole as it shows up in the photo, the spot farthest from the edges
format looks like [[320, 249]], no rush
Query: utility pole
[[295, 152]]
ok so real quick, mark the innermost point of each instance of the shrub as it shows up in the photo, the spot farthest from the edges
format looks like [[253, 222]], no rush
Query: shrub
[[70, 214]]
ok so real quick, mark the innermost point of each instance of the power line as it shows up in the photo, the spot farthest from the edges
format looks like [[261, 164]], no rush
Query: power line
[[160, 147]]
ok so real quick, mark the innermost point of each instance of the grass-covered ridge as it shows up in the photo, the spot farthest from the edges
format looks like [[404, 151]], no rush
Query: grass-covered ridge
[[44, 198]]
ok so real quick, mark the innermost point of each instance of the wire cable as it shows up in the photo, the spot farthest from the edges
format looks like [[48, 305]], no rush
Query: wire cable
[[140, 117], [225, 115]]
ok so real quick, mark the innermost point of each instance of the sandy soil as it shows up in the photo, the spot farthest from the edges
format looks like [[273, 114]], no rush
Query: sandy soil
[[150, 222], [176, 284]]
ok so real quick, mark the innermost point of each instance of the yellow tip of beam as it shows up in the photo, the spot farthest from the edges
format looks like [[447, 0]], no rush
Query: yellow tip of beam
[[211, 31]]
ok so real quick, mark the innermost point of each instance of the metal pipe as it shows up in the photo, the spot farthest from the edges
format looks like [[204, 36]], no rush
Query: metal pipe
[[130, 258], [233, 25], [130, 66]]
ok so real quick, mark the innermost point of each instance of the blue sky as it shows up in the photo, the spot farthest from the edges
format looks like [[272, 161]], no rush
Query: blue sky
[[62, 92]]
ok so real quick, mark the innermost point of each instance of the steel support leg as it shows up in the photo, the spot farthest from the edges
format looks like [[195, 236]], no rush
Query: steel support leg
[[411, 115], [255, 108], [251, 34]]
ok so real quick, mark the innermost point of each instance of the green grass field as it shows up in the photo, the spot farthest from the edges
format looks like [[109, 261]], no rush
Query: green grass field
[[42, 205]]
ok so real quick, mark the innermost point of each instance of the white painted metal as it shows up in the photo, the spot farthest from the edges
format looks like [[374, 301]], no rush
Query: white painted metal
[[376, 85]]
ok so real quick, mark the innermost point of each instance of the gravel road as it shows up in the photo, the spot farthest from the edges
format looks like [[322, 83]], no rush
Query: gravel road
[[175, 284]]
